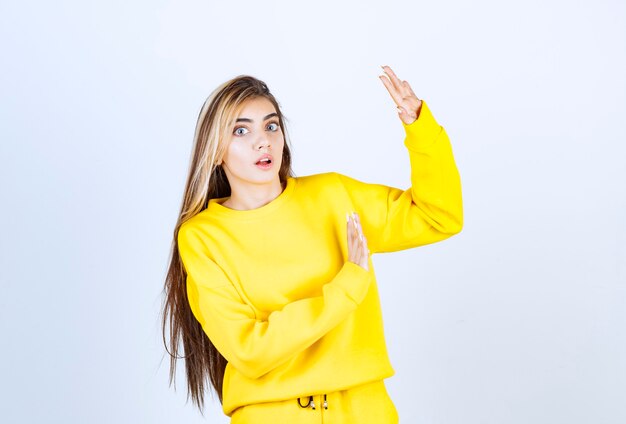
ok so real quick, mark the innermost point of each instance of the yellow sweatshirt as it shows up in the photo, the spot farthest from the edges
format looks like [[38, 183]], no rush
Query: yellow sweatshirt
[[274, 291]]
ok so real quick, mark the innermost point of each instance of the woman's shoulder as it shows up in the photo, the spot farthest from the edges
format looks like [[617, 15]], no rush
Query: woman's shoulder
[[323, 182], [331, 179], [198, 223], [320, 179]]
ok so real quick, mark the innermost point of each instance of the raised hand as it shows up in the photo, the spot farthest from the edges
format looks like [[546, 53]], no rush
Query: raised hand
[[407, 103]]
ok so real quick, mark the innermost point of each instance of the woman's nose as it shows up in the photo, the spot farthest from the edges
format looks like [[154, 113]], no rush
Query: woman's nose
[[262, 141]]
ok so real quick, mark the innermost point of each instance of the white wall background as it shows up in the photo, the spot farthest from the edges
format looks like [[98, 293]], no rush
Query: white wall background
[[519, 319]]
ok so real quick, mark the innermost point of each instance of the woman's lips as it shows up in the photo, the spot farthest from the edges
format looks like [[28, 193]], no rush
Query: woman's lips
[[265, 165], [265, 161]]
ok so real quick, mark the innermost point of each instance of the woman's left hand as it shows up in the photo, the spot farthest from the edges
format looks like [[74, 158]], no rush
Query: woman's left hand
[[408, 104]]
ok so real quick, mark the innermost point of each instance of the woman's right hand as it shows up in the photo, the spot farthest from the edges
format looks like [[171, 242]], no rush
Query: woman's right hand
[[357, 243]]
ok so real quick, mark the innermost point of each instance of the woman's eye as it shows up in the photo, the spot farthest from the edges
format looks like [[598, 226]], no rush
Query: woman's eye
[[238, 132], [275, 126]]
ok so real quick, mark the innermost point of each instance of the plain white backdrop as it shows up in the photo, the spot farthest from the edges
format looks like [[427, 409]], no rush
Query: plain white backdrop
[[520, 318]]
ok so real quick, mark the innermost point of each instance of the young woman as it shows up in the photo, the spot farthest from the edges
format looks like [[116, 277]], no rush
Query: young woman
[[270, 285]]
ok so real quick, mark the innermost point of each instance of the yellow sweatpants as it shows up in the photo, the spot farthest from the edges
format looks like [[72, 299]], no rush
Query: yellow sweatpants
[[364, 404]]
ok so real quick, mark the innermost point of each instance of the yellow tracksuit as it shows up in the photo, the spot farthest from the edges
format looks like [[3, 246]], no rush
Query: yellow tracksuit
[[273, 290]]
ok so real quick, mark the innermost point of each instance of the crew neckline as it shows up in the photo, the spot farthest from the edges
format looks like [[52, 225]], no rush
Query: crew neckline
[[215, 207]]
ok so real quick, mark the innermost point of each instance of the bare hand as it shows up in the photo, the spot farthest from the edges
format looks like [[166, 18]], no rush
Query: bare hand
[[406, 101], [357, 243]]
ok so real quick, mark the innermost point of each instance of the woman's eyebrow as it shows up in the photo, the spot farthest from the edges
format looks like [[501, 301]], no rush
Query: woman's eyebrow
[[250, 120]]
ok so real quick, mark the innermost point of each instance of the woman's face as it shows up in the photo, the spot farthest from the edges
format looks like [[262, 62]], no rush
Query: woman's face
[[255, 133]]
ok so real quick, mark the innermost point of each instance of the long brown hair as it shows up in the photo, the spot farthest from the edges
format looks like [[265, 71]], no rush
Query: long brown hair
[[206, 180]]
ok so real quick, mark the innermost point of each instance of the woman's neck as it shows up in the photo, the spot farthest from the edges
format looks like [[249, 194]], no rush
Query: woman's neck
[[253, 198]]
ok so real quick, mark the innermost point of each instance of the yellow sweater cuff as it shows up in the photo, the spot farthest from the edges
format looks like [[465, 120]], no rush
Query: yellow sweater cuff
[[354, 281], [423, 132]]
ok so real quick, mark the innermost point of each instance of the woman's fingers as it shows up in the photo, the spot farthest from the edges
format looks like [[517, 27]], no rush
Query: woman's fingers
[[397, 84], [351, 238], [357, 243], [393, 91], [402, 94], [363, 250], [354, 233], [354, 239], [357, 224], [399, 90], [409, 90]]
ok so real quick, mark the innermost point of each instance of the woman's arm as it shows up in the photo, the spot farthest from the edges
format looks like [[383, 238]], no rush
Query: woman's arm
[[255, 347], [432, 208]]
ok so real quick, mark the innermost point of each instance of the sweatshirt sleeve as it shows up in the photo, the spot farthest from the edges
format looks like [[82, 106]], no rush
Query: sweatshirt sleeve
[[253, 346], [430, 210]]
